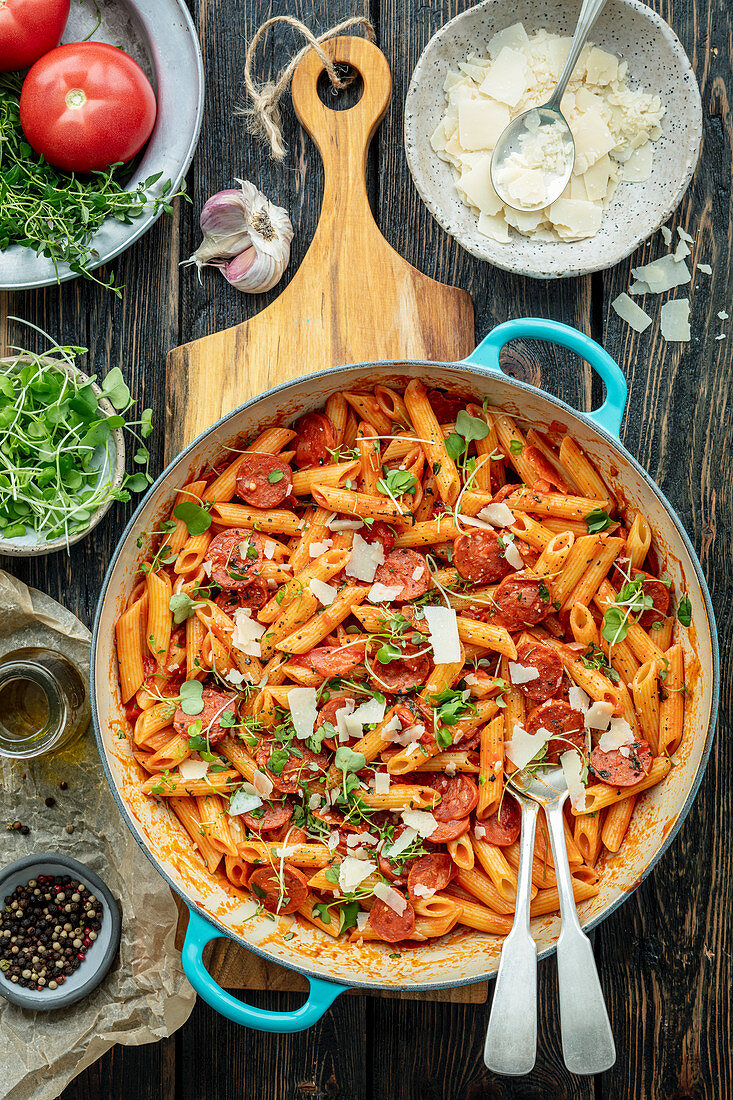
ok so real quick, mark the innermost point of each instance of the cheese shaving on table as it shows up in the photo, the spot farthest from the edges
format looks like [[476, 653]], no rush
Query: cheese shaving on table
[[675, 320], [324, 593], [390, 897], [422, 821], [521, 674], [364, 559], [303, 711], [193, 769], [352, 873], [523, 746], [247, 632], [613, 127], [443, 638], [629, 311], [572, 767]]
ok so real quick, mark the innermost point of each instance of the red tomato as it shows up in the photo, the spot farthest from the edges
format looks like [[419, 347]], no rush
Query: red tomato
[[29, 29], [87, 105]]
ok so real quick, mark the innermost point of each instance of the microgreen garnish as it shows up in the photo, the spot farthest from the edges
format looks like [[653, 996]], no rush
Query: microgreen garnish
[[192, 697], [397, 482], [631, 600], [182, 606], [195, 516], [684, 610], [56, 443]]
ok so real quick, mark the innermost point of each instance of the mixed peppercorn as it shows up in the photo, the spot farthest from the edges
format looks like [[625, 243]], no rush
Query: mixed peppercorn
[[46, 929]]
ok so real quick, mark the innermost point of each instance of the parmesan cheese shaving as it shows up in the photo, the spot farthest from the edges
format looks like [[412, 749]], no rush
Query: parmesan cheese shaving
[[578, 699], [262, 783], [247, 632], [444, 638], [302, 703], [380, 593], [523, 746], [352, 873], [512, 555], [193, 769], [598, 715], [324, 593], [422, 821], [381, 782], [269, 549], [401, 844], [317, 548], [619, 733], [498, 514], [630, 312], [242, 802], [675, 320], [371, 711], [390, 897], [572, 767], [522, 674], [364, 559]]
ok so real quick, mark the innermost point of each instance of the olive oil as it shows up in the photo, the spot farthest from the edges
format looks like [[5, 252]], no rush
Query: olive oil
[[44, 703]]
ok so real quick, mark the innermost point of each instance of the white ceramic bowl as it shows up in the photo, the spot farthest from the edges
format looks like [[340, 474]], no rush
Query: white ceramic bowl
[[112, 469], [657, 63]]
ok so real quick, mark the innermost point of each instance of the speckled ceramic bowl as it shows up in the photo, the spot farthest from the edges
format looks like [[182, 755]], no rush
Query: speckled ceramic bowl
[[657, 62]]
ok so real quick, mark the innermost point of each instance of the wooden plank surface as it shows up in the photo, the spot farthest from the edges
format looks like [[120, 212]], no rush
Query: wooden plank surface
[[666, 956]]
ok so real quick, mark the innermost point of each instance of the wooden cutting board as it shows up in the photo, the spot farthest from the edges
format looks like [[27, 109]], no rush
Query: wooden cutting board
[[353, 298]]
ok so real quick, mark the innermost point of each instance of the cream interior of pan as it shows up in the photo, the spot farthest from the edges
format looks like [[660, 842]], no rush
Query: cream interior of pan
[[461, 956]]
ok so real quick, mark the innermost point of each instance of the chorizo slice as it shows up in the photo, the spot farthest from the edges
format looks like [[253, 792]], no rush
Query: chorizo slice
[[403, 673], [659, 593], [290, 772], [458, 796], [407, 570], [429, 873], [315, 437], [619, 770], [264, 481], [479, 557], [379, 532], [333, 660], [272, 815], [449, 830], [503, 826], [279, 896], [254, 596], [236, 557], [565, 723], [388, 924], [216, 704], [547, 662], [523, 599]]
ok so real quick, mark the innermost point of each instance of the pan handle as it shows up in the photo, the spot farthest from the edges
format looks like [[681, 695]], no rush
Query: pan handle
[[320, 998], [610, 413]]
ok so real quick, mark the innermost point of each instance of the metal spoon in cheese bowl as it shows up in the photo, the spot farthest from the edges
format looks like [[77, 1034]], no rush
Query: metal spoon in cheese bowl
[[511, 1039], [533, 158]]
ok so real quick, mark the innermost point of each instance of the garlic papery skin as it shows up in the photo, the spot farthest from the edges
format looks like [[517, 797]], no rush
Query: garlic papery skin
[[253, 272], [269, 226], [223, 221]]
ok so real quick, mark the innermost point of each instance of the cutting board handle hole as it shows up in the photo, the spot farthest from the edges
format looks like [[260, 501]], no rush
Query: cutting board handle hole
[[345, 98]]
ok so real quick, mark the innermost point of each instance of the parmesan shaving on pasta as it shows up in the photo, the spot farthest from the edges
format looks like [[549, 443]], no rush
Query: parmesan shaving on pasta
[[352, 873], [390, 897], [193, 769], [444, 638], [572, 767], [613, 127], [522, 674], [523, 746], [324, 593], [619, 733], [303, 711], [422, 821], [364, 559], [379, 592], [247, 632]]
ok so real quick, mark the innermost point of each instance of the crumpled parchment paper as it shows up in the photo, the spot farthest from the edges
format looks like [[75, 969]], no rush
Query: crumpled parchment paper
[[146, 996]]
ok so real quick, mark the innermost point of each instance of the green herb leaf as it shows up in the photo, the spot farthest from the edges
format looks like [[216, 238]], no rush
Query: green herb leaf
[[115, 389], [349, 761], [274, 476], [597, 520], [471, 427], [192, 697], [195, 516], [397, 482], [516, 446], [182, 606], [455, 446], [684, 610], [347, 915], [277, 761]]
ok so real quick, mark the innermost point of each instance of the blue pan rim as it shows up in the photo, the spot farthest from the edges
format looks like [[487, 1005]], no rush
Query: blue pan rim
[[522, 387]]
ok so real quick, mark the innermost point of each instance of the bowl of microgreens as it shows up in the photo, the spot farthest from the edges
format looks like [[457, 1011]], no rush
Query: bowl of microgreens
[[63, 449]]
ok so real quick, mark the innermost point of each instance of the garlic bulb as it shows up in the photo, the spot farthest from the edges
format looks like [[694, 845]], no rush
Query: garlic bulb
[[246, 236]]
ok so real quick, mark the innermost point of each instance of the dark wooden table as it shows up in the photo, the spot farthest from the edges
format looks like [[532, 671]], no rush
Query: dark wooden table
[[665, 957]]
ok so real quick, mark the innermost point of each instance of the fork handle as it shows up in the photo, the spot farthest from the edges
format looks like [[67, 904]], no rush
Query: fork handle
[[587, 1039], [511, 1038]]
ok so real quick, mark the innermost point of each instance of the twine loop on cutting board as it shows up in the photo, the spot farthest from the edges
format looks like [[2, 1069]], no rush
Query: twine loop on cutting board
[[263, 117]]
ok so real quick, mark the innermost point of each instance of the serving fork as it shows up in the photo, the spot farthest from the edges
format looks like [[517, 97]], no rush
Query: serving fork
[[511, 1038]]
